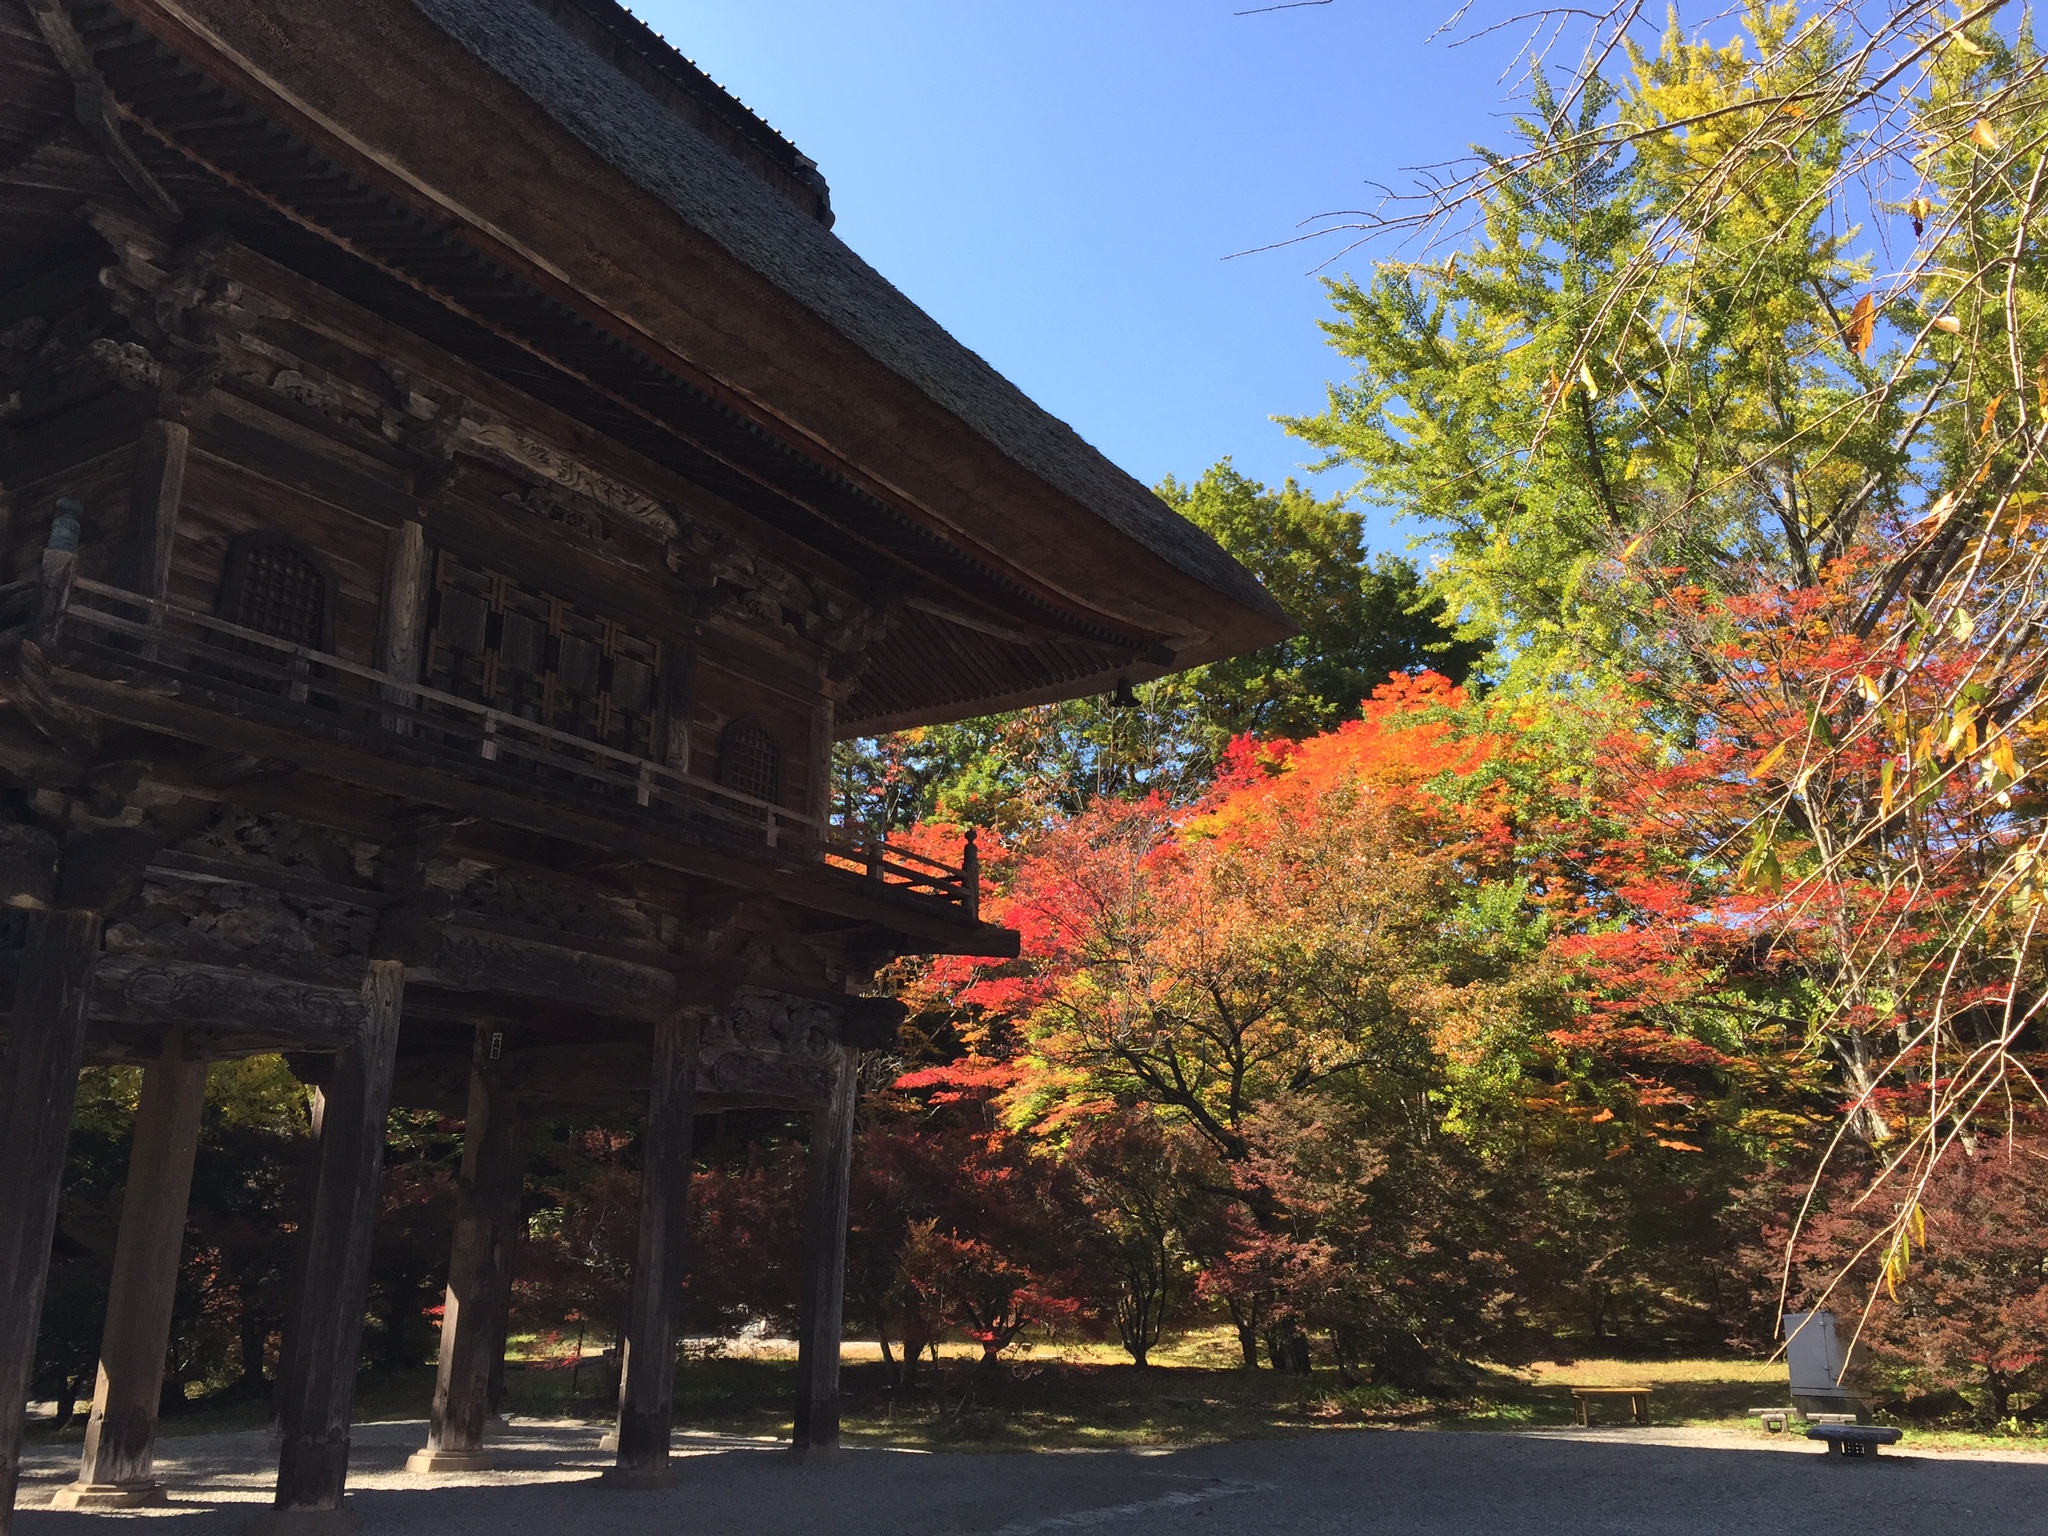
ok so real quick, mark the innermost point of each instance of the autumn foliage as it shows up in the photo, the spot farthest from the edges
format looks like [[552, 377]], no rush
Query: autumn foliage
[[1421, 1037]]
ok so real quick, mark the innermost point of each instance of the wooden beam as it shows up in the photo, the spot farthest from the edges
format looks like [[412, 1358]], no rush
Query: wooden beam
[[319, 1374], [116, 1470], [648, 1361], [466, 959], [38, 1088], [480, 1268], [95, 107], [227, 1005], [823, 1307]]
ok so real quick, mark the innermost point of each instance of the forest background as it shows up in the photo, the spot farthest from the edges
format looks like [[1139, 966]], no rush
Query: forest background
[[1611, 929]]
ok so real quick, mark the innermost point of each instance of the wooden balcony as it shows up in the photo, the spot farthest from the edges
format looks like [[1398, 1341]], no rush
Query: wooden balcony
[[152, 663]]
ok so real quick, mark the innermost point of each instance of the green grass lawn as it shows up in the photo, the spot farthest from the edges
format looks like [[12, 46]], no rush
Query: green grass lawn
[[1081, 1395]]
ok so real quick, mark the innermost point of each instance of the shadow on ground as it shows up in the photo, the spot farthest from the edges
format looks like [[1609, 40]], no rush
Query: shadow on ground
[[1615, 1483]]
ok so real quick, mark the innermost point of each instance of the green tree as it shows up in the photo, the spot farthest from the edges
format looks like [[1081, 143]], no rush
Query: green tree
[[1643, 375], [1362, 618]]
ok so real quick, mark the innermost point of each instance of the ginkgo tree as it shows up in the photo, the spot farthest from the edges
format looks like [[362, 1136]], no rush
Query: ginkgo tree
[[1733, 402]]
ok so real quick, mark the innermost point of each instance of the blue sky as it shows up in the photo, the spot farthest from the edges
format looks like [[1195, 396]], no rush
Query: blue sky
[[1059, 182]]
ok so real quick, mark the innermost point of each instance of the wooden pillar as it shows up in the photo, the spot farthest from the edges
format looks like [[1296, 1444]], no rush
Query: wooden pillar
[[647, 1366], [408, 582], [154, 493], [501, 1327], [479, 1270], [115, 1471], [823, 1310], [319, 1373], [818, 796], [38, 1089]]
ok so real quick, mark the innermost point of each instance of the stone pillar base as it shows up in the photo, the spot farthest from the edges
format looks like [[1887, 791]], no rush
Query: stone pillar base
[[609, 1441], [815, 1455], [109, 1495], [431, 1460], [635, 1479], [303, 1522]]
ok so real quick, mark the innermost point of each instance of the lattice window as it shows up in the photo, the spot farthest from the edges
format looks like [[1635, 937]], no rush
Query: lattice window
[[276, 586], [508, 644], [750, 761]]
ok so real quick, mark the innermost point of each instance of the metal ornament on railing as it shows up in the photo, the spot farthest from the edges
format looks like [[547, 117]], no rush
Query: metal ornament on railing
[[67, 526]]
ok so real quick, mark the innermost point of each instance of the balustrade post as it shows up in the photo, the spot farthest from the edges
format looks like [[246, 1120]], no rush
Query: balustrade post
[[970, 876], [875, 847]]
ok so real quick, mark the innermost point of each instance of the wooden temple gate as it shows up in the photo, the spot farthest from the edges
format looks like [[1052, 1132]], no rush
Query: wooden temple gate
[[454, 492]]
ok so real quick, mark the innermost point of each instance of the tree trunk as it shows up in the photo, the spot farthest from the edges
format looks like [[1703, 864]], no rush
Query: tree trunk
[[1244, 1317]]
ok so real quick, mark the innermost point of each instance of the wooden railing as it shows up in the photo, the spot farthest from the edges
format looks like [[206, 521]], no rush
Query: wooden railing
[[259, 674]]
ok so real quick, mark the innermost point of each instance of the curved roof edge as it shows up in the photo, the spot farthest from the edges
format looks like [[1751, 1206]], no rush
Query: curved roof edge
[[675, 162]]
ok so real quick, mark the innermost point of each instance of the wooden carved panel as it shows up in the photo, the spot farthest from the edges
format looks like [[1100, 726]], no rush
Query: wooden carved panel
[[770, 1047], [508, 644], [296, 1014], [465, 960]]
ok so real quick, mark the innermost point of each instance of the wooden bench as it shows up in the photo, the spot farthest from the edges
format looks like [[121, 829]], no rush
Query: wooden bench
[[1853, 1439], [1638, 1401]]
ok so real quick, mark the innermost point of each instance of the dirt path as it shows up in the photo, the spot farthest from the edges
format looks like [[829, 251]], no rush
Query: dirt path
[[1585, 1483]]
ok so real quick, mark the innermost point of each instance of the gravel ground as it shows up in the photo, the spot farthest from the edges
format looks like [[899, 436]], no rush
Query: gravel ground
[[1589, 1483]]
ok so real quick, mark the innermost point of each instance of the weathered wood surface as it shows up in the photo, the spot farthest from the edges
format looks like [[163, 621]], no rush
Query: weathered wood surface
[[318, 1377], [479, 1268], [38, 1087], [823, 1307], [28, 866], [472, 960], [94, 106], [926, 926], [120, 1433], [400, 651], [157, 489], [227, 1006], [648, 1359]]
